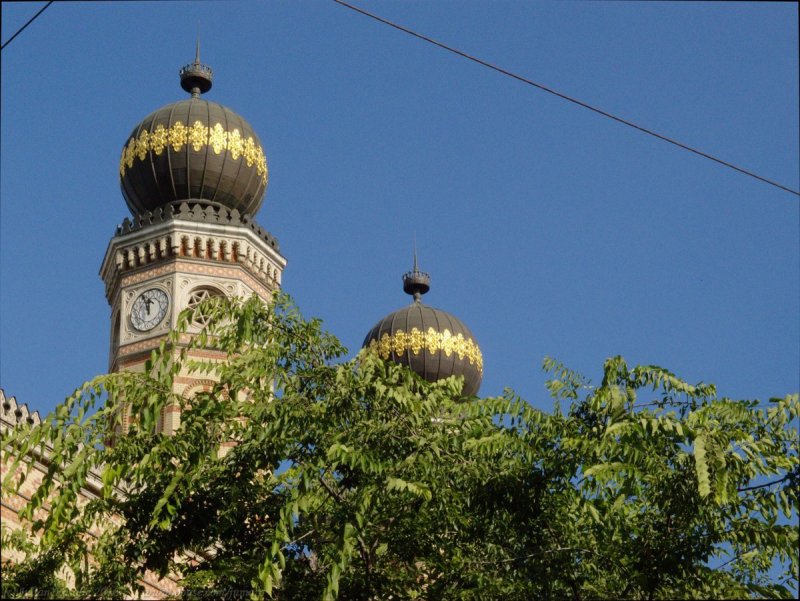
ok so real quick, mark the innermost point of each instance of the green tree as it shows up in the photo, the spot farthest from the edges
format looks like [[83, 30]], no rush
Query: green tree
[[359, 480]]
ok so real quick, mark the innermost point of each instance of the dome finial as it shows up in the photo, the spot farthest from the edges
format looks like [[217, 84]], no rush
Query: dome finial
[[416, 282], [196, 77]]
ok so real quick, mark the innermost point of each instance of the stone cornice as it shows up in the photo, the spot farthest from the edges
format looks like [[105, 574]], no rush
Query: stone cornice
[[206, 234]]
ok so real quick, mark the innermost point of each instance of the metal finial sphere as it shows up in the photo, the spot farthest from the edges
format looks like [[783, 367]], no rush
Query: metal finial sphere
[[416, 283], [196, 77]]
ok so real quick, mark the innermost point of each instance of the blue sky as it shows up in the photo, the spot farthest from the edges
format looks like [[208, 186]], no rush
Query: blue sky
[[547, 229]]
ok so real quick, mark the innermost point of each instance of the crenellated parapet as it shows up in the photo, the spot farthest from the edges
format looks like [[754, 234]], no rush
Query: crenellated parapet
[[35, 466], [14, 413], [202, 213]]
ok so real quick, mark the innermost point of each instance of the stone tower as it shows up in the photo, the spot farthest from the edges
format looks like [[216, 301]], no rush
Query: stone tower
[[193, 174]]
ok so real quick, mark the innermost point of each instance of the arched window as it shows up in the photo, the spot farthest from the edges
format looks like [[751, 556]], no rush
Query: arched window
[[197, 296]]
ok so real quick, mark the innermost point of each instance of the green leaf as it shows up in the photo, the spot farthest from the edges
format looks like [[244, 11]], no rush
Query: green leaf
[[701, 467]]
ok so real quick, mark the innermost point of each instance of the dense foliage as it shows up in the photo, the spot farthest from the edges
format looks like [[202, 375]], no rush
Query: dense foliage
[[359, 480]]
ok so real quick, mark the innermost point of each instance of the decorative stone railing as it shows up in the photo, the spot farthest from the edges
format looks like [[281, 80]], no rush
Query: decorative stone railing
[[196, 212]]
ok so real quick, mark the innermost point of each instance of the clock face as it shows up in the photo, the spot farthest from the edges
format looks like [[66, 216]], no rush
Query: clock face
[[149, 309]]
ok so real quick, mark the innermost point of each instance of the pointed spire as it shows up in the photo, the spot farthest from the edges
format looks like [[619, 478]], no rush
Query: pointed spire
[[416, 282], [196, 77]]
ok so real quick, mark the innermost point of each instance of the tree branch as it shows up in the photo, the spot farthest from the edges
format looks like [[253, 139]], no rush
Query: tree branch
[[523, 557], [336, 496], [298, 539], [757, 486]]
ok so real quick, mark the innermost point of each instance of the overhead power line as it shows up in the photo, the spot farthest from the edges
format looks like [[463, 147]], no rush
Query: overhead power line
[[564, 96], [31, 20]]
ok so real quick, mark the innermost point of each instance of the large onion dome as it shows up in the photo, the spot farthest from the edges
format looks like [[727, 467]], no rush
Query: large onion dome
[[193, 150], [432, 342]]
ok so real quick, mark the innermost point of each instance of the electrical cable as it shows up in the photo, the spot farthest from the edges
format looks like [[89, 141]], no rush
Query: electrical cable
[[19, 31], [564, 96]]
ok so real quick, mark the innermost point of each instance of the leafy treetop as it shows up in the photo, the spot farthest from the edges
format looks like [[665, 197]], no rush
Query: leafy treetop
[[359, 480]]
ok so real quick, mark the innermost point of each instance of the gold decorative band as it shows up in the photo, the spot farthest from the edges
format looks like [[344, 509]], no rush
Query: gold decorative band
[[198, 135], [432, 341]]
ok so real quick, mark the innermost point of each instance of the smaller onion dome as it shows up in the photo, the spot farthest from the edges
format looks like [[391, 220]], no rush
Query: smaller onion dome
[[432, 342], [193, 150]]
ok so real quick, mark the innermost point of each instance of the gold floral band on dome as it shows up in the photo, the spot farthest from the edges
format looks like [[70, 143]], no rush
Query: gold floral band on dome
[[197, 136], [432, 341]]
